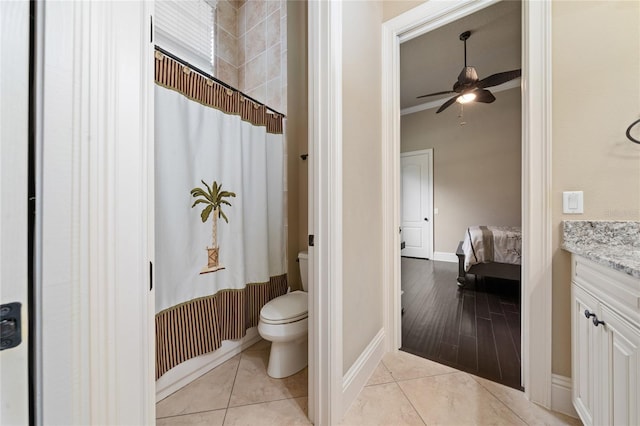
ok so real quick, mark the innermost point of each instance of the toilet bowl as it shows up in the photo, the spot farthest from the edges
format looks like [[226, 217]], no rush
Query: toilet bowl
[[284, 322]]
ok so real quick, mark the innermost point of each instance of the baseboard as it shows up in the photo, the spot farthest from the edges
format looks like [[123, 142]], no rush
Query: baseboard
[[445, 257], [185, 373], [361, 370], [561, 399]]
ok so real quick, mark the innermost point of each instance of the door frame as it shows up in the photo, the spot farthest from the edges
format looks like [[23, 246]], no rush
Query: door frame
[[429, 153], [94, 168], [325, 211], [536, 176], [15, 391]]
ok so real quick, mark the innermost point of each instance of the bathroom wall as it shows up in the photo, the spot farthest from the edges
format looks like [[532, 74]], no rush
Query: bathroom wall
[[297, 143], [590, 150], [226, 42], [251, 49]]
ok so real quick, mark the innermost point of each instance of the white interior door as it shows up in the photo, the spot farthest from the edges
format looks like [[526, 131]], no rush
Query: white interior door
[[416, 210], [14, 150]]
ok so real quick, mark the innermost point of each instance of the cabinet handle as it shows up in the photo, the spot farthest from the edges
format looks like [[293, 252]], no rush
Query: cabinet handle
[[588, 314], [596, 321]]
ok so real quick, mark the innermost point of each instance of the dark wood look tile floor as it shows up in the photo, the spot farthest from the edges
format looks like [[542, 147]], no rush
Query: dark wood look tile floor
[[476, 329]]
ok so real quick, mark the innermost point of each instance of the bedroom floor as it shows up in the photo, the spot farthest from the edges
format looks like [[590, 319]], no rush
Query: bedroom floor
[[476, 330], [403, 390]]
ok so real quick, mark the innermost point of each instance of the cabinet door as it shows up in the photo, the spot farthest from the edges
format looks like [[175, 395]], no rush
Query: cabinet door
[[620, 348], [584, 353]]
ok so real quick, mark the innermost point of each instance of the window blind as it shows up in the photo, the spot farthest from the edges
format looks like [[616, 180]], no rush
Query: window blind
[[186, 28]]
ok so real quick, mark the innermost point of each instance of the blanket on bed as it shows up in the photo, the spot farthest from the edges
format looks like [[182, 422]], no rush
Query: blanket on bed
[[492, 244]]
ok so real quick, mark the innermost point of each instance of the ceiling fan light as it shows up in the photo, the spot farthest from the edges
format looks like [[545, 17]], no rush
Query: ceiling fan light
[[465, 98]]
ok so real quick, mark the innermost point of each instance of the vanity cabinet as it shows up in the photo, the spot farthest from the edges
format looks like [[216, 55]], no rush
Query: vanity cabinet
[[605, 344]]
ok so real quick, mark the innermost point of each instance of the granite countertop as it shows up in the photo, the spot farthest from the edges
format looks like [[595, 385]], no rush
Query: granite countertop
[[615, 244]]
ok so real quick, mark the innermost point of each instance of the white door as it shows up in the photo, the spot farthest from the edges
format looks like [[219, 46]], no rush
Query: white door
[[14, 127], [416, 210]]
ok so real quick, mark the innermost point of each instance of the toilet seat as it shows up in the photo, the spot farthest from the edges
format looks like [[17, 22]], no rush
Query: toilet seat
[[288, 308]]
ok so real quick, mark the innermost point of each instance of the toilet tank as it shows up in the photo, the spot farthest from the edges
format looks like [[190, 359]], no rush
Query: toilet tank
[[303, 261]]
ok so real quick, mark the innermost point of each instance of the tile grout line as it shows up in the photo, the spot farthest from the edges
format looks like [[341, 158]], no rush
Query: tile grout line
[[266, 402], [498, 398], [408, 399], [226, 410], [410, 402], [189, 414], [249, 350], [422, 377], [433, 375]]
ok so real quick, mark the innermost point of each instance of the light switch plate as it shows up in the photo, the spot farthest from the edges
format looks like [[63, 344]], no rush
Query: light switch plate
[[572, 202]]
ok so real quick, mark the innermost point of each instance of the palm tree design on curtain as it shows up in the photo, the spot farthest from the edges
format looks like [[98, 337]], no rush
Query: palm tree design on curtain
[[213, 198]]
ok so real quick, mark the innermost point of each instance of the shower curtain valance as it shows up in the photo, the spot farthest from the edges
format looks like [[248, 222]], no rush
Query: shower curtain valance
[[176, 76], [205, 133]]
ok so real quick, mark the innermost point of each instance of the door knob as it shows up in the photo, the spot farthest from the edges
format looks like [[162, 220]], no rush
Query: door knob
[[427, 219]]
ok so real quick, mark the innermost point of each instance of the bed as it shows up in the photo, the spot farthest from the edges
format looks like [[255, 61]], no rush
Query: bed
[[490, 251]]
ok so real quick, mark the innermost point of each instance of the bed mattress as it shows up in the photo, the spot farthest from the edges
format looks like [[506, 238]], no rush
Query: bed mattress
[[483, 244]]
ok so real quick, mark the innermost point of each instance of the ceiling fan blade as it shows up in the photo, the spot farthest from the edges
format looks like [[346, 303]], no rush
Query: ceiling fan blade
[[484, 96], [436, 93], [499, 78], [446, 104], [467, 75]]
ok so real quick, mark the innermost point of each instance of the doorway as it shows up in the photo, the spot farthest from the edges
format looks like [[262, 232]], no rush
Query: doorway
[[246, 16], [536, 138], [474, 328]]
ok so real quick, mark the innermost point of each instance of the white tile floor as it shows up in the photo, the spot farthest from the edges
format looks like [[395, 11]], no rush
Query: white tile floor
[[404, 390]]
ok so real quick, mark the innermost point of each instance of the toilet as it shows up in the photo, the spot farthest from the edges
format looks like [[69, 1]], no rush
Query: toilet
[[283, 322]]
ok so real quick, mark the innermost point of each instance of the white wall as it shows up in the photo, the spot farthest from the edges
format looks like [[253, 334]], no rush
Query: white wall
[[476, 167], [362, 177]]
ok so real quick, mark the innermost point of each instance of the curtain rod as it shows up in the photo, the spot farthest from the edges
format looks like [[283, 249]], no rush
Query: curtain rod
[[209, 76]]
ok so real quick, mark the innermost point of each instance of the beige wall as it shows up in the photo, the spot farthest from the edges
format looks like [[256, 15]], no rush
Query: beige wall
[[296, 137], [393, 8], [596, 95], [476, 167], [362, 177]]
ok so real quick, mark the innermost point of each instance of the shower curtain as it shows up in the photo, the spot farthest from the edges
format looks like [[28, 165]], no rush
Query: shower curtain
[[206, 132]]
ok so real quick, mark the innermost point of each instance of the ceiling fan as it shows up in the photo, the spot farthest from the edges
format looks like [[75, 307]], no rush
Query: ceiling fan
[[469, 88]]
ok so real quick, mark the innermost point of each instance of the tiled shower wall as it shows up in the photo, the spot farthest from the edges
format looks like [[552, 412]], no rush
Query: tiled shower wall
[[251, 48]]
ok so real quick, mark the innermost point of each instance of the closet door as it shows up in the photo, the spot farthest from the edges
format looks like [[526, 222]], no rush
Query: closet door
[[416, 171]]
